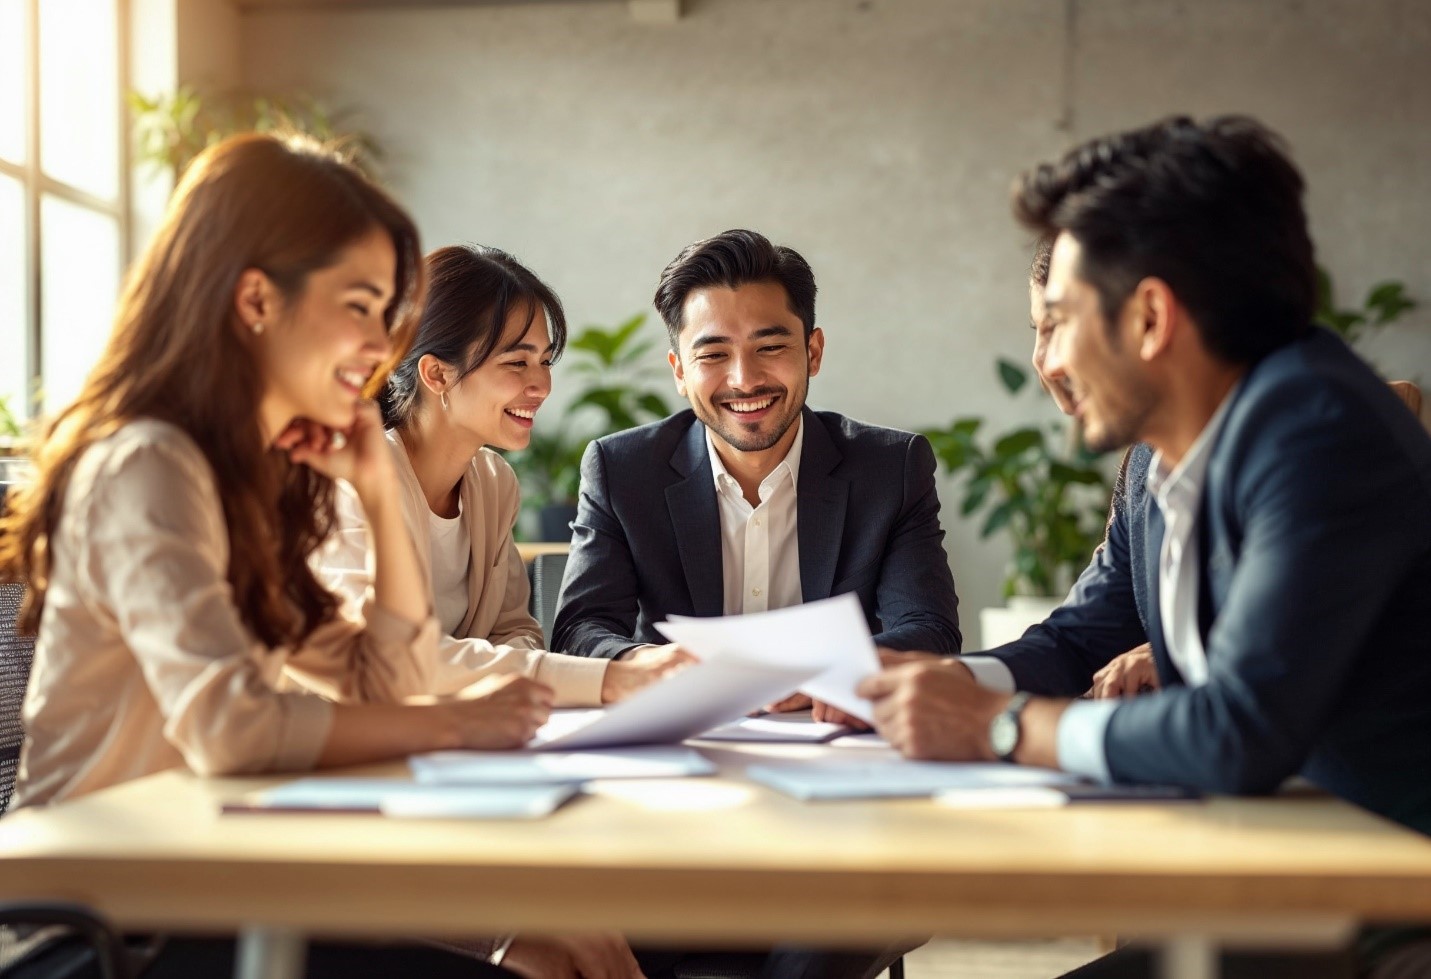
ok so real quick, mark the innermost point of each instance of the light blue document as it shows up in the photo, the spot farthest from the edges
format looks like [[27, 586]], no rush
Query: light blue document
[[893, 779], [547, 767], [395, 797]]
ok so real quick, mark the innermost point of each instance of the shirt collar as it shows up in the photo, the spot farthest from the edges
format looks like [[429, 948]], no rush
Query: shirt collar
[[790, 464], [1184, 481]]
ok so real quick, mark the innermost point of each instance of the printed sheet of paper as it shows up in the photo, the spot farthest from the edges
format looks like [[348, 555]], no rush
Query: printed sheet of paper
[[696, 699], [830, 635], [891, 778], [532, 767], [394, 797]]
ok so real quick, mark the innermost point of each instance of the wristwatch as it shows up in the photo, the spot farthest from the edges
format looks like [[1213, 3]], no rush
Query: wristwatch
[[1005, 730]]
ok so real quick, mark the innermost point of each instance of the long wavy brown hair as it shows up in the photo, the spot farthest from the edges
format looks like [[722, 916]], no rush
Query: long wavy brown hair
[[286, 207]]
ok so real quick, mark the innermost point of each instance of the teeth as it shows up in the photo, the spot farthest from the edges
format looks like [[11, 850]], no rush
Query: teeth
[[749, 405], [354, 378], [523, 412]]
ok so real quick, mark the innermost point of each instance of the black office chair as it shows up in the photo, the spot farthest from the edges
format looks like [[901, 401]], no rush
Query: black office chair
[[545, 573], [41, 939]]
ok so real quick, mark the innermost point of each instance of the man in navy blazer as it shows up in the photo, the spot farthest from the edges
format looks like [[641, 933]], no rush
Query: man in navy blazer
[[1288, 547], [703, 513]]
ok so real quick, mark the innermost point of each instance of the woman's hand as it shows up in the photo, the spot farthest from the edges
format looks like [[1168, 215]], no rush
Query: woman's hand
[[641, 668], [594, 956], [498, 713], [359, 455]]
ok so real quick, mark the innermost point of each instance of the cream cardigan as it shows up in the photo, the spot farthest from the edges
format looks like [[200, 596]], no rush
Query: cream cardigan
[[498, 634], [142, 661]]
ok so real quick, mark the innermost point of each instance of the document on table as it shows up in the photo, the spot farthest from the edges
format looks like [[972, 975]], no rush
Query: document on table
[[892, 779], [394, 797], [532, 768], [830, 636], [776, 729], [696, 699]]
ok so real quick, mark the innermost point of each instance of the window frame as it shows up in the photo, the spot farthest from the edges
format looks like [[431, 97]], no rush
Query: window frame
[[35, 184]]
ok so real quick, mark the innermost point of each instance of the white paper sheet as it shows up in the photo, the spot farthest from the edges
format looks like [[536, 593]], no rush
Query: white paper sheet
[[898, 778], [775, 730], [830, 635], [530, 768], [694, 700], [400, 798]]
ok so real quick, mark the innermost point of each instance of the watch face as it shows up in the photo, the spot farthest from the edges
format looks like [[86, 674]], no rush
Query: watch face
[[1004, 734]]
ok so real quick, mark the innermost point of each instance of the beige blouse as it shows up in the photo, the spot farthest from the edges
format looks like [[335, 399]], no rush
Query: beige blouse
[[142, 662], [498, 634]]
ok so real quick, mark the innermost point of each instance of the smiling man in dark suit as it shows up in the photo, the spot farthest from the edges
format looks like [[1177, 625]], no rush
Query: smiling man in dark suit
[[750, 500], [1288, 543]]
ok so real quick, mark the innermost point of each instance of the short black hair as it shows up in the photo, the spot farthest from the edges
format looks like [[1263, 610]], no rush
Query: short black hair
[[1212, 208], [733, 259]]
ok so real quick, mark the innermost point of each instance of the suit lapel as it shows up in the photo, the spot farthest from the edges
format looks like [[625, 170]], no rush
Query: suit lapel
[[1153, 553], [819, 510], [695, 522]]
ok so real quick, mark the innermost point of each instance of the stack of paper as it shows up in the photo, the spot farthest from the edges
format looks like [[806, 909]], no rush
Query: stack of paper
[[894, 778], [393, 797], [532, 768]]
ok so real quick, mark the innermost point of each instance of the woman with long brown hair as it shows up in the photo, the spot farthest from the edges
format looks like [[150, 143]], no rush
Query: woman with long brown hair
[[175, 503]]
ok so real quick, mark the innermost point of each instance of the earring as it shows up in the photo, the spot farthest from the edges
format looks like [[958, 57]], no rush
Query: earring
[[257, 328], [443, 398]]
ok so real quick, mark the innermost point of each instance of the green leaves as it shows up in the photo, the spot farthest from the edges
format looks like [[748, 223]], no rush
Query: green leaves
[[1051, 502], [1012, 376], [171, 129], [1385, 303]]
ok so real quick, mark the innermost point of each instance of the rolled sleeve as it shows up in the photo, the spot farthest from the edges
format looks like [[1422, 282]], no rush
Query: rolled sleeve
[[1081, 733]]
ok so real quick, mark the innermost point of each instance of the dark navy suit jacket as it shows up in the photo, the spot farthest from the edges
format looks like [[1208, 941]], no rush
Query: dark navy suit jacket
[[1106, 612], [1315, 598], [647, 539]]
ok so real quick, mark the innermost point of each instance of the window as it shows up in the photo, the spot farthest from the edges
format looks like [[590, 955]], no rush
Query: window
[[63, 193]]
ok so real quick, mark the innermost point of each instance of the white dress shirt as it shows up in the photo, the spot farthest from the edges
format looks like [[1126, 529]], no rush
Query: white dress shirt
[[1178, 494], [760, 549]]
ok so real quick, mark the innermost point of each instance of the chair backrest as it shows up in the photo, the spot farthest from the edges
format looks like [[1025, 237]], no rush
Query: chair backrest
[[1409, 393], [16, 654], [545, 573]]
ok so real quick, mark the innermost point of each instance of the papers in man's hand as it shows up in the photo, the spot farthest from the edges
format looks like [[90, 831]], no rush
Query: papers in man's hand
[[527, 768], [830, 636], [394, 797], [891, 779], [694, 700]]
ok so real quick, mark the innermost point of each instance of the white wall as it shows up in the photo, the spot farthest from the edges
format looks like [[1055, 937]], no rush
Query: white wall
[[876, 136]]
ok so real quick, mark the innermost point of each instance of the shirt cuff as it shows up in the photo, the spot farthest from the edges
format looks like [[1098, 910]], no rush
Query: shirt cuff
[[990, 671], [576, 680], [1081, 732]]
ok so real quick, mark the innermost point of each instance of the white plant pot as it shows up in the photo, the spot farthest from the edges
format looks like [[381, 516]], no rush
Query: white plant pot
[[1000, 625]]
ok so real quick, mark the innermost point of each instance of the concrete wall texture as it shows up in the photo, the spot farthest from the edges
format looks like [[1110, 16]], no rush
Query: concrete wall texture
[[879, 138]]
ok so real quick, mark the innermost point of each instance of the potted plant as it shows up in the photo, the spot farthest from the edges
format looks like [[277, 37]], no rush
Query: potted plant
[[1039, 486], [612, 370]]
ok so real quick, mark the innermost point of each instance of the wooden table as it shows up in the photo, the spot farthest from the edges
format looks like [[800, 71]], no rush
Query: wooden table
[[723, 860]]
